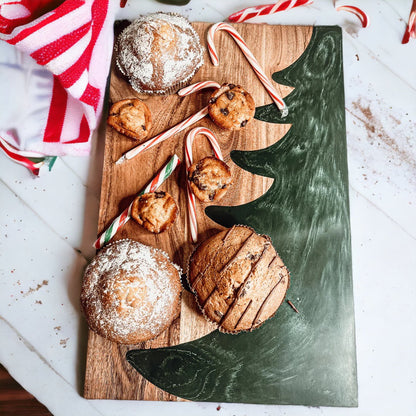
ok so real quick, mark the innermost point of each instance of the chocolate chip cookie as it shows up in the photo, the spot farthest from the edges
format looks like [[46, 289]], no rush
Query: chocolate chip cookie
[[209, 179], [155, 211], [231, 107], [131, 117]]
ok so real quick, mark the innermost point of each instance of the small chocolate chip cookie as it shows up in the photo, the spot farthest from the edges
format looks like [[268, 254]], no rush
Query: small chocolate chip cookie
[[155, 211], [231, 107], [209, 179], [131, 117]]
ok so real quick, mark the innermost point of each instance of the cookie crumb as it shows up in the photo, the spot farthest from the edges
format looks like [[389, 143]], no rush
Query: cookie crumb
[[63, 342]]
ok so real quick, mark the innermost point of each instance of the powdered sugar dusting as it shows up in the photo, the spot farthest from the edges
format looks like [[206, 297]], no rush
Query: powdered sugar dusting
[[159, 51], [130, 290]]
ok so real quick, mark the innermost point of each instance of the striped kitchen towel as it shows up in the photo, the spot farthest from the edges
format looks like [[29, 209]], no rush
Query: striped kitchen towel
[[74, 42]]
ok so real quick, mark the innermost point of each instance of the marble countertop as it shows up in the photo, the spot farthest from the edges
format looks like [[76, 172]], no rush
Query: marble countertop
[[48, 225]]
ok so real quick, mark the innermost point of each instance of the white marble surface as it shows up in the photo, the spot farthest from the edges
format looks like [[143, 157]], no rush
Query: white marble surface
[[48, 225]]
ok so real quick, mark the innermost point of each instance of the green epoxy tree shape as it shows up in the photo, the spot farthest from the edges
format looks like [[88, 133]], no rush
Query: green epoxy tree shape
[[306, 358]]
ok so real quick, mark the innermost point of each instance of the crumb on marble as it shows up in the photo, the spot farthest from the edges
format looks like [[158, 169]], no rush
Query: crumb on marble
[[39, 285], [63, 342], [376, 132]]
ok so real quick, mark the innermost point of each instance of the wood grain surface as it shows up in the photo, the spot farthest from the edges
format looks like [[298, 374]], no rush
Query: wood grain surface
[[108, 375], [15, 400]]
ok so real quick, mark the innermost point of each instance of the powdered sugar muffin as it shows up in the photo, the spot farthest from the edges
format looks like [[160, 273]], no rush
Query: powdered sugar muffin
[[159, 53], [130, 292]]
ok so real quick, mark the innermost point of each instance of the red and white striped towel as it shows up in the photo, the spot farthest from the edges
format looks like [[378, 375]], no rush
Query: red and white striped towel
[[74, 42]]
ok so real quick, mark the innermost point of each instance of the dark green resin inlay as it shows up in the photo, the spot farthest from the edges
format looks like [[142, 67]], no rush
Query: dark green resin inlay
[[294, 358]]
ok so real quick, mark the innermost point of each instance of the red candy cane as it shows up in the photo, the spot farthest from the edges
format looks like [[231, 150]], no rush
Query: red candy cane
[[22, 157], [364, 19], [250, 12], [198, 87], [175, 129], [249, 56], [411, 25], [193, 225], [163, 136]]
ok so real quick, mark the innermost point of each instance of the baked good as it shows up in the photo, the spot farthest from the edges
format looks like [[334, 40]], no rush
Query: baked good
[[159, 53], [130, 117], [209, 179], [238, 279], [130, 292], [155, 211], [231, 107]]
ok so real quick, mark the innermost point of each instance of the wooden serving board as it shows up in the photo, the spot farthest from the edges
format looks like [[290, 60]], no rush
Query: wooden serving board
[[108, 375]]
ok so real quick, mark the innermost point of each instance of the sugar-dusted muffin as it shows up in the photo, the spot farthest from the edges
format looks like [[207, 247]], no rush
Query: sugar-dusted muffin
[[155, 211], [130, 292], [238, 279], [209, 179], [159, 53], [130, 117], [231, 107]]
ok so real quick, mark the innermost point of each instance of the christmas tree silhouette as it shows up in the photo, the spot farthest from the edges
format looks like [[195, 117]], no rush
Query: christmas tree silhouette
[[294, 358]]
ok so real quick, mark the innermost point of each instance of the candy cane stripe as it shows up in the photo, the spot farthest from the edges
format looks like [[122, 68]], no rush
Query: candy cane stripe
[[411, 27], [197, 87], [250, 12], [364, 19], [17, 156]]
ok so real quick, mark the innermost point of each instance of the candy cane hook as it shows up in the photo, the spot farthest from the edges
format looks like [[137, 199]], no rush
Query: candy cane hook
[[249, 56], [198, 86], [364, 19]]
